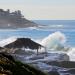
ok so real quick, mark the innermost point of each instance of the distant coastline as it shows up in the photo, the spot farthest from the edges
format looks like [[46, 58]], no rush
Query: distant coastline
[[9, 20]]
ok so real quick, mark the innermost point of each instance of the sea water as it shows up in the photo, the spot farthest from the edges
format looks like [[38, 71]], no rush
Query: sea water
[[67, 27], [46, 27]]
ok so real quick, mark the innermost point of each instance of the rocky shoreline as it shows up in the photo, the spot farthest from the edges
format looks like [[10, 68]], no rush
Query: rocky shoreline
[[9, 66], [52, 63]]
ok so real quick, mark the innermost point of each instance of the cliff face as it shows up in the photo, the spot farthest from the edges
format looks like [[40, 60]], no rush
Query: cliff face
[[14, 20]]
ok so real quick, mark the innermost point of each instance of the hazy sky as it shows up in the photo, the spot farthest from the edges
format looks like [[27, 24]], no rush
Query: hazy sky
[[42, 9]]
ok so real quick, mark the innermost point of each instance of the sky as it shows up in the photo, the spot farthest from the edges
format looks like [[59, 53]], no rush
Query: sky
[[42, 9]]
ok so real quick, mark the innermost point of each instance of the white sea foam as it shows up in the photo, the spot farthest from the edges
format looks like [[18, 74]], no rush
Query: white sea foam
[[7, 41], [71, 54], [51, 41], [54, 40], [31, 28], [56, 26]]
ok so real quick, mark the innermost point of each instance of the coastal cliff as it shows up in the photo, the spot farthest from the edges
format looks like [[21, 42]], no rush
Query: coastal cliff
[[14, 20]]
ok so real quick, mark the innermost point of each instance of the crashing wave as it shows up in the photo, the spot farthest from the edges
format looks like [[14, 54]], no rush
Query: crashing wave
[[7, 41], [71, 54], [54, 41]]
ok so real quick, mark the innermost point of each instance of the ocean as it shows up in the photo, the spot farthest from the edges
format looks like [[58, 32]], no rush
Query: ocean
[[46, 28], [67, 27], [54, 34]]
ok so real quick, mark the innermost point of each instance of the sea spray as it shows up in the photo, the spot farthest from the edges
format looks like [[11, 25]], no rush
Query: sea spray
[[54, 41], [7, 41], [71, 54]]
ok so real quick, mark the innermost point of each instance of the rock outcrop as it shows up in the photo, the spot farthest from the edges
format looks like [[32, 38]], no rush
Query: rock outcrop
[[8, 66], [51, 63], [38, 66]]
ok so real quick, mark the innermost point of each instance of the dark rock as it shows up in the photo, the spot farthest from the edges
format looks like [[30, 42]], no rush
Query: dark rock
[[71, 71], [65, 64], [53, 73], [10, 67]]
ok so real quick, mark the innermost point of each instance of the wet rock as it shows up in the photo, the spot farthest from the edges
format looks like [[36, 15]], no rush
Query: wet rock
[[46, 58], [53, 73], [50, 63], [8, 66], [64, 64], [70, 71]]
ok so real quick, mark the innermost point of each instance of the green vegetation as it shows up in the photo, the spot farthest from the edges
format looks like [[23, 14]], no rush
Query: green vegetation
[[8, 66]]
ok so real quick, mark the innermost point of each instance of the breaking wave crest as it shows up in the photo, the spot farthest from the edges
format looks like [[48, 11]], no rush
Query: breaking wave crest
[[7, 41], [54, 40]]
